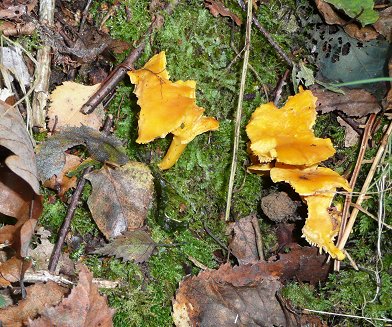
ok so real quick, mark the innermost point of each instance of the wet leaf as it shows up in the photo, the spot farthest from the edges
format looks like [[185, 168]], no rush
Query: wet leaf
[[15, 138], [39, 296], [120, 197], [51, 156], [134, 245], [384, 23], [354, 103], [66, 102], [84, 307]]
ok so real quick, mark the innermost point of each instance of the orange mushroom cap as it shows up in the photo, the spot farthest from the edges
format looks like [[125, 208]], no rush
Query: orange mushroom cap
[[309, 181], [321, 226], [286, 134], [163, 103]]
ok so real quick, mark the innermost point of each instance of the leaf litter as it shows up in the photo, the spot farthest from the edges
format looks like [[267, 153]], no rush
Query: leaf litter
[[122, 193]]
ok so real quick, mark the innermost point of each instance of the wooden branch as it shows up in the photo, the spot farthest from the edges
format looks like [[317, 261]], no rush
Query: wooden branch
[[42, 73], [109, 84]]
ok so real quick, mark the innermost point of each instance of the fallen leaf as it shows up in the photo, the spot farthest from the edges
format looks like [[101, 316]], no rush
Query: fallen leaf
[[61, 183], [15, 138], [120, 197], [384, 23], [39, 296], [18, 200], [218, 8], [242, 240], [361, 10], [66, 102], [12, 269], [354, 103], [366, 33], [51, 156], [14, 66], [84, 307], [351, 137], [134, 245], [246, 295]]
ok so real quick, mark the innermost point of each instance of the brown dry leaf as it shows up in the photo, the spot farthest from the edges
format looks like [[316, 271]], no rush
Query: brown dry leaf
[[120, 197], [366, 33], [84, 307], [66, 102], [384, 23], [134, 245], [18, 200], [15, 138], [61, 183], [12, 269], [39, 296], [351, 137], [354, 103], [232, 295], [242, 241], [218, 8]]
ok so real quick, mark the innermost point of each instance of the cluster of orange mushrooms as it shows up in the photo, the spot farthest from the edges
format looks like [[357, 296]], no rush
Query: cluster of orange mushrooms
[[281, 142]]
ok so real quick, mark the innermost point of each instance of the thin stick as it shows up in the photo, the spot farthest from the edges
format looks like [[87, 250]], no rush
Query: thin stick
[[259, 239], [108, 85], [362, 209], [239, 110], [354, 177], [365, 186], [279, 87], [344, 315], [263, 31], [55, 257]]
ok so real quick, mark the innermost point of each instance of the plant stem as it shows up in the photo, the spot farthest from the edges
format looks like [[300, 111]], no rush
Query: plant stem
[[239, 110]]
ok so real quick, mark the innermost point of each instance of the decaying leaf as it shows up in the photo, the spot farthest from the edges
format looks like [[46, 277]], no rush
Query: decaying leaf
[[242, 242], [39, 296], [120, 197], [168, 107], [66, 102], [61, 183], [51, 156], [291, 143], [218, 8], [18, 200], [384, 23], [354, 102], [245, 295], [84, 307], [15, 138], [134, 245], [13, 269]]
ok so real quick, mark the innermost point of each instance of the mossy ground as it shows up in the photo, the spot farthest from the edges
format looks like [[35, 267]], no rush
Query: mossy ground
[[193, 193]]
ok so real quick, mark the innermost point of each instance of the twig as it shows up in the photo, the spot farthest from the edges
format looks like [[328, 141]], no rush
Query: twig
[[362, 209], [351, 260], [84, 15], [54, 259], [353, 180], [239, 110], [217, 240], [279, 87], [344, 315], [263, 31], [108, 85], [40, 96], [365, 186], [259, 239]]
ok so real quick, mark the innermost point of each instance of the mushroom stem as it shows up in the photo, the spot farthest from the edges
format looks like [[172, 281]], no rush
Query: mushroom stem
[[172, 155]]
